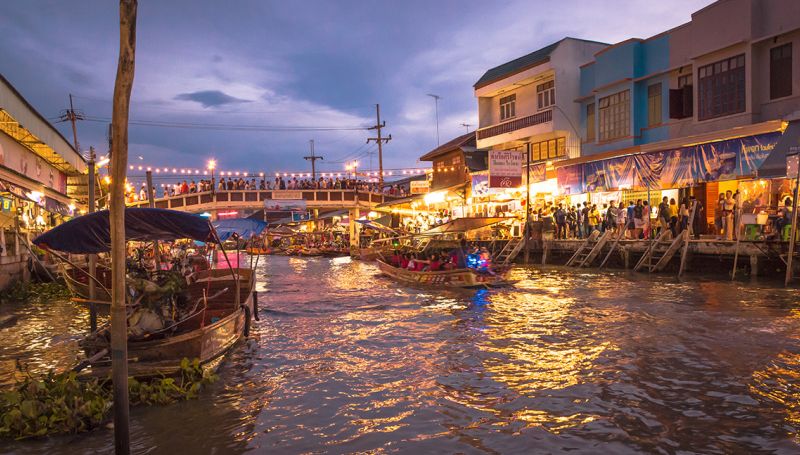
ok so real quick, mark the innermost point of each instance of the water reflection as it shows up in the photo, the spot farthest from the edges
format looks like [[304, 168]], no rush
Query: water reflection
[[345, 361]]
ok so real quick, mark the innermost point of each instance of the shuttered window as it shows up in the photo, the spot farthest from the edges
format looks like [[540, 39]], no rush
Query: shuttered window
[[654, 104], [590, 119], [780, 71]]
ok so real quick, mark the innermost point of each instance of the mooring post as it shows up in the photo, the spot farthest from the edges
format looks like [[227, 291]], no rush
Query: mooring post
[[255, 306], [545, 250]]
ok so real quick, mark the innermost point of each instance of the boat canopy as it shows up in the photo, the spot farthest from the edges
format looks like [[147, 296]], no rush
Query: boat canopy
[[466, 224], [282, 230], [377, 226], [245, 228], [92, 233]]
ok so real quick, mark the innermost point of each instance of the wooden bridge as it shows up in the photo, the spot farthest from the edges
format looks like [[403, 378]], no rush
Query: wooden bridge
[[228, 200]]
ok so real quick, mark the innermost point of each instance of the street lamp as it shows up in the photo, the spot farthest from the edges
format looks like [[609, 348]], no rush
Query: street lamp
[[212, 163], [436, 101]]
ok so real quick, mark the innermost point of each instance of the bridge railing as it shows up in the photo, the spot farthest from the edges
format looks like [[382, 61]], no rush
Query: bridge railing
[[253, 198]]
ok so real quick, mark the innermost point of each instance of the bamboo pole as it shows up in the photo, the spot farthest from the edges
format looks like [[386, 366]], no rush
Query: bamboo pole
[[793, 232], [92, 257], [119, 163]]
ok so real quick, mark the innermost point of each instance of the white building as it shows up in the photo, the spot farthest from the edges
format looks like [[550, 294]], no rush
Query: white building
[[530, 100]]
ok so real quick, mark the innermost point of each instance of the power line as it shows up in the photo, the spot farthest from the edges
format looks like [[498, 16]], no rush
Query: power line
[[229, 127]]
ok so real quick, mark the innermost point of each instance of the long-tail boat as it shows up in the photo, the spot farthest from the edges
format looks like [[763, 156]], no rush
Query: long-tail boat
[[220, 301], [458, 278]]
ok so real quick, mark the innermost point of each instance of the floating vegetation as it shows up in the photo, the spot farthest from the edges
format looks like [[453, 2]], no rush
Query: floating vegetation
[[63, 404], [32, 292]]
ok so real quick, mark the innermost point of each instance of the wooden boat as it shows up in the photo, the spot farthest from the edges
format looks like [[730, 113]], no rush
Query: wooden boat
[[460, 278], [206, 335], [259, 250], [77, 281]]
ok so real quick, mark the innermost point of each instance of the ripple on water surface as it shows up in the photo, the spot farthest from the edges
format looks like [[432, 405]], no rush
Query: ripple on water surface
[[346, 361]]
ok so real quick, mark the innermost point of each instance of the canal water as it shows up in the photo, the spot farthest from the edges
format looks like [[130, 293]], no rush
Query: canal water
[[346, 361]]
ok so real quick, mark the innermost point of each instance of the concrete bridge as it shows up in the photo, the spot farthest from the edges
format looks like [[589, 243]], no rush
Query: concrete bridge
[[251, 200]]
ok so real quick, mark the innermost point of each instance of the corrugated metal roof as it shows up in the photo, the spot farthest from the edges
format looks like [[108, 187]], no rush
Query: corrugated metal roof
[[465, 140]]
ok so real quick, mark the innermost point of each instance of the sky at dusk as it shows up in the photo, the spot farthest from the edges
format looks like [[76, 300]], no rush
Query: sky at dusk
[[298, 64]]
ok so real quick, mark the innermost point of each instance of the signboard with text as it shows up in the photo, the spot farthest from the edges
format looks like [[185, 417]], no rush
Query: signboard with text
[[505, 168], [285, 205], [287, 194], [420, 186]]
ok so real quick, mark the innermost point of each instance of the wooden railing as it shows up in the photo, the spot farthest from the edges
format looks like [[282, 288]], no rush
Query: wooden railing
[[252, 198], [513, 125]]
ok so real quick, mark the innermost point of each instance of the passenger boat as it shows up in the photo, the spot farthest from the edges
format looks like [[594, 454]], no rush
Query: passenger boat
[[459, 278], [216, 312]]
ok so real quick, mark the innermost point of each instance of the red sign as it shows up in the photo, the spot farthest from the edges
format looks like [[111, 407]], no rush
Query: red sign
[[505, 168]]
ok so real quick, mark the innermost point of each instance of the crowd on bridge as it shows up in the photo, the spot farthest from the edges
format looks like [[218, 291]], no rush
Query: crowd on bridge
[[279, 183]]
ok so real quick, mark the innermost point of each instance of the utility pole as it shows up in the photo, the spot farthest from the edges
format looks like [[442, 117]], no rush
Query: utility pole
[[380, 140], [313, 158], [436, 100], [71, 115]]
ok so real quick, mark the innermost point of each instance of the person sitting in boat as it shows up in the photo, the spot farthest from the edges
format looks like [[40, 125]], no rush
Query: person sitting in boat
[[395, 259], [420, 264], [434, 264], [446, 263], [412, 263], [484, 260]]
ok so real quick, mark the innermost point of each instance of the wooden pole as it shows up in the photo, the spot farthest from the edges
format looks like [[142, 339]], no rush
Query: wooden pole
[[119, 163], [526, 231], [92, 257], [792, 237]]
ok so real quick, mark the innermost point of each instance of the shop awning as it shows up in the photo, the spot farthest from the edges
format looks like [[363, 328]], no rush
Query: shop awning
[[466, 224], [405, 200], [775, 164]]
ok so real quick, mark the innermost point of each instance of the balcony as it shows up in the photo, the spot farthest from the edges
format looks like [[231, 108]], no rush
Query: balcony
[[516, 124]]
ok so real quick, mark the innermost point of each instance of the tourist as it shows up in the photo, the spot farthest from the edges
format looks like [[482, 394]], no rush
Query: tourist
[[673, 219], [594, 218], [622, 220], [585, 216], [561, 223], [683, 211], [647, 226], [143, 193], [629, 217], [718, 216], [664, 215], [611, 216], [784, 217], [572, 220], [729, 204], [638, 220]]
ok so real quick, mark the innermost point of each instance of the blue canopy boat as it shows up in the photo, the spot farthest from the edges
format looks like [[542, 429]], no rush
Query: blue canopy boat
[[223, 299]]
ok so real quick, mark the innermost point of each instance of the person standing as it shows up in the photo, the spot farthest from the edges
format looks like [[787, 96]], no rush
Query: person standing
[[561, 223], [611, 216], [647, 222], [727, 215], [664, 214], [594, 218], [622, 220], [587, 227]]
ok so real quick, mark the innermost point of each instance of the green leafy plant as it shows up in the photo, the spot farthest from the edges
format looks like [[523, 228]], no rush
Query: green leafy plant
[[32, 292], [62, 404]]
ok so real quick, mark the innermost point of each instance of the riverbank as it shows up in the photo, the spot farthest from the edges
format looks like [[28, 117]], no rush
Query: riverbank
[[345, 361]]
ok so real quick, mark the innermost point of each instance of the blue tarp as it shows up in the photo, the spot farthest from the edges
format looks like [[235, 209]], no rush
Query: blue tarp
[[91, 233], [244, 227]]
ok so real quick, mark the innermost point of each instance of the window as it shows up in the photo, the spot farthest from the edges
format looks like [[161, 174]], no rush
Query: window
[[590, 136], [546, 94], [554, 148], [654, 104], [721, 88], [615, 116], [681, 100], [508, 106], [780, 71]]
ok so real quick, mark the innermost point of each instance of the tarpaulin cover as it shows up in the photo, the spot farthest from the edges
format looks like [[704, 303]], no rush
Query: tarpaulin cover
[[246, 228], [677, 168], [466, 224], [774, 165], [92, 234]]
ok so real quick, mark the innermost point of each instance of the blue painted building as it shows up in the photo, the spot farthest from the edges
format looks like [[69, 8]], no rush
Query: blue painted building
[[624, 93]]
